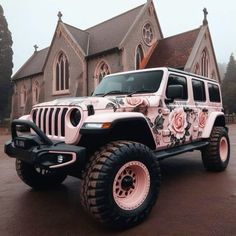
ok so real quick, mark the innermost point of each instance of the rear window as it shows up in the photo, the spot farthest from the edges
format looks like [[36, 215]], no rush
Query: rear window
[[214, 92], [198, 90]]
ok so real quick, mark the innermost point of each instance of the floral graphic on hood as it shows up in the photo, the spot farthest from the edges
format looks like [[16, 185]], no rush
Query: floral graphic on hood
[[178, 123], [135, 101], [138, 104]]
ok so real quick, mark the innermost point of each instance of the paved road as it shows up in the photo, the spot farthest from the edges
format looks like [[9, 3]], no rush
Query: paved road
[[191, 202]]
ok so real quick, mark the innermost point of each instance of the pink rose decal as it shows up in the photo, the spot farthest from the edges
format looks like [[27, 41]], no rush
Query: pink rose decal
[[134, 101], [202, 118], [178, 122], [138, 104]]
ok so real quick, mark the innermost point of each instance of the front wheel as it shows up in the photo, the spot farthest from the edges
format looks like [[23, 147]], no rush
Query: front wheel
[[38, 178], [121, 184], [216, 155]]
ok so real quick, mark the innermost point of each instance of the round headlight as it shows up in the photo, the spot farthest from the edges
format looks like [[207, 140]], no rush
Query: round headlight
[[75, 117]]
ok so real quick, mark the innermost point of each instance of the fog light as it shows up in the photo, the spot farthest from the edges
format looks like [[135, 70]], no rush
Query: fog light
[[60, 159]]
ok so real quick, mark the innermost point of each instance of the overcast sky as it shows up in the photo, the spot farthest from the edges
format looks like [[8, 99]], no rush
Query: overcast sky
[[33, 22]]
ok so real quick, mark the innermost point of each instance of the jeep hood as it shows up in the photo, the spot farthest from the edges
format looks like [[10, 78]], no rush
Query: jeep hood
[[83, 102], [101, 103]]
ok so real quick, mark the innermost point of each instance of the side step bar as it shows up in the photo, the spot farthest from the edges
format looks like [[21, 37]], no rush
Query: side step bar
[[180, 149]]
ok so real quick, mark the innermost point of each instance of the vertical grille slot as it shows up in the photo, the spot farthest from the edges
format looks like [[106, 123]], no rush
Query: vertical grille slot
[[39, 119], [34, 116], [56, 121], [50, 121], [44, 119], [63, 121]]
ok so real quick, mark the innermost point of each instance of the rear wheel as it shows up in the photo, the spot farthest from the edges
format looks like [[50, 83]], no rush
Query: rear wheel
[[37, 177], [216, 155], [121, 184]]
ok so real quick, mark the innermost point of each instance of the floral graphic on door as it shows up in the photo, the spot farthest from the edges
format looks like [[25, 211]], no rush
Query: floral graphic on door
[[178, 123]]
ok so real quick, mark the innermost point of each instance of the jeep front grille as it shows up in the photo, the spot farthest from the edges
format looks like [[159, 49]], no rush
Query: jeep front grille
[[51, 120]]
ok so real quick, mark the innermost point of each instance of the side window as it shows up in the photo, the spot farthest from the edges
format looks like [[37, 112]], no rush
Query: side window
[[214, 92], [179, 80], [198, 90]]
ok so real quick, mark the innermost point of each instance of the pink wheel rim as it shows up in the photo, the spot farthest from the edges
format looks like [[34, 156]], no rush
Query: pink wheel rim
[[223, 149], [131, 185]]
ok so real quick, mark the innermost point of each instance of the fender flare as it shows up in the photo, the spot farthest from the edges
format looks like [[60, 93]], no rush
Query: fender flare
[[118, 119], [210, 123], [112, 116]]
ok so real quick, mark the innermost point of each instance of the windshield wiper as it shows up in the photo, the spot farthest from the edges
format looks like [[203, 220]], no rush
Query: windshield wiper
[[114, 92], [124, 92], [140, 91]]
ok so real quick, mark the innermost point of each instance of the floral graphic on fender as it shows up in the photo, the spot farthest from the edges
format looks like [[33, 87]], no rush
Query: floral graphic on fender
[[158, 123], [202, 119], [178, 123]]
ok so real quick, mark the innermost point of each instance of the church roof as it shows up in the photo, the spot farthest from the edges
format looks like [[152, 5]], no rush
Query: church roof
[[109, 34], [106, 35], [81, 36], [34, 65], [174, 51], [97, 39]]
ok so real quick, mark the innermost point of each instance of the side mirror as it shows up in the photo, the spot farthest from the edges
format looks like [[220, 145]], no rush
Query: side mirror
[[174, 92]]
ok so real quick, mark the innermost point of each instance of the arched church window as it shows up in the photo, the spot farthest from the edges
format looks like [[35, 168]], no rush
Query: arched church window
[[204, 63], [23, 95], [148, 34], [138, 57], [101, 71], [61, 82], [35, 92]]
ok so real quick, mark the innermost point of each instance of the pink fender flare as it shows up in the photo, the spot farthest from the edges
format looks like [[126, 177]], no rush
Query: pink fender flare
[[210, 123]]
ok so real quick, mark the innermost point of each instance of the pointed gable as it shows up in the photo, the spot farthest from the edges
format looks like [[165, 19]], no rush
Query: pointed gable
[[174, 51], [33, 66]]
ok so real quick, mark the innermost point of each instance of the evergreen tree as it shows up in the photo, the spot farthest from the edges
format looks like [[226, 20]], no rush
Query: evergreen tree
[[5, 66], [229, 86]]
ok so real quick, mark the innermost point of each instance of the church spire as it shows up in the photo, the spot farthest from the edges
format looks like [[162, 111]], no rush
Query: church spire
[[35, 48], [205, 22], [59, 16]]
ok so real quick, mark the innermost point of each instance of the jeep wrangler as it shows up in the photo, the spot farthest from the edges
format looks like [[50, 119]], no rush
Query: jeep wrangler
[[113, 141]]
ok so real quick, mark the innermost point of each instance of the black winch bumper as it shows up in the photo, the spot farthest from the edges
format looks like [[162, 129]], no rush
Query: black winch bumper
[[38, 149]]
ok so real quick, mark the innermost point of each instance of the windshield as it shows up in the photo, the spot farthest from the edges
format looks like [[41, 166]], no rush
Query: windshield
[[130, 83]]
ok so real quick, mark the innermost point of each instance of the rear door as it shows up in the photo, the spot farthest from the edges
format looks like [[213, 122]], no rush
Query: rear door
[[201, 108]]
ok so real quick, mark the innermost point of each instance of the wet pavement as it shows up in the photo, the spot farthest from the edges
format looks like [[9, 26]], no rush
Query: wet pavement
[[191, 202]]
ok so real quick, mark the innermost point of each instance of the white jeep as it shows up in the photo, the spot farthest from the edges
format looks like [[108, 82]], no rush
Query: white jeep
[[115, 139]]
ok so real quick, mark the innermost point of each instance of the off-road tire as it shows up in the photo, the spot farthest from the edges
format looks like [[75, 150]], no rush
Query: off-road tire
[[121, 163], [38, 180], [216, 155]]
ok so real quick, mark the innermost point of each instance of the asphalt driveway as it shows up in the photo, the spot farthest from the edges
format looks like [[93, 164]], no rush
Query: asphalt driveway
[[191, 202]]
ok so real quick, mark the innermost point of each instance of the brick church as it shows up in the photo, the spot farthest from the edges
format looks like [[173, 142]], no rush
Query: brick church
[[78, 59]]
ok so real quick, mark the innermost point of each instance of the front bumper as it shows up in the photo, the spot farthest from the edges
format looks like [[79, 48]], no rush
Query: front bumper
[[39, 150]]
